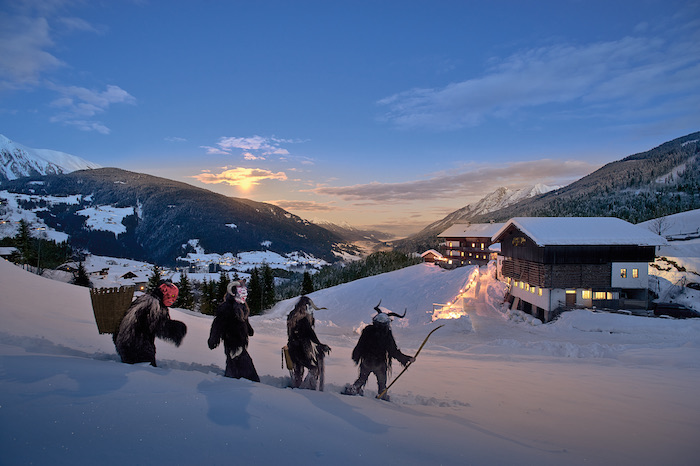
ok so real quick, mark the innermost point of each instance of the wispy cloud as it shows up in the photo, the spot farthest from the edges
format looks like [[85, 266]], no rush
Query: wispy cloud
[[241, 177], [475, 182], [306, 206], [24, 51], [624, 74], [259, 144], [28, 32], [79, 104]]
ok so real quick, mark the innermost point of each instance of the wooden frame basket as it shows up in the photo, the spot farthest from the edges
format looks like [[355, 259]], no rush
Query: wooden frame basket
[[109, 306]]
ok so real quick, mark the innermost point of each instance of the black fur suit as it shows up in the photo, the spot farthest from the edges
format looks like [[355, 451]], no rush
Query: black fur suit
[[146, 319], [305, 349], [232, 326], [374, 351]]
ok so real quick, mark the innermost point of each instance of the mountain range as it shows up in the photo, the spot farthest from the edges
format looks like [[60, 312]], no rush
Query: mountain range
[[17, 161], [662, 181], [165, 215]]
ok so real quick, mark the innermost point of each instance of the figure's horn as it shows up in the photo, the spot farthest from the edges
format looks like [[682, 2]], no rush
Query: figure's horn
[[393, 314], [316, 307], [376, 308]]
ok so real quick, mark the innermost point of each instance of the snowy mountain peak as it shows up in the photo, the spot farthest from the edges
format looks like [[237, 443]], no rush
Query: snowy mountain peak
[[17, 161]]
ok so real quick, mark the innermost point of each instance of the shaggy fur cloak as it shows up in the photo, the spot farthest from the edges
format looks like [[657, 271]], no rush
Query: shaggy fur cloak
[[232, 326], [146, 319], [305, 349]]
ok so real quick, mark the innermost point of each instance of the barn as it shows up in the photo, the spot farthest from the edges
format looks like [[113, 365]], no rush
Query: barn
[[552, 264]]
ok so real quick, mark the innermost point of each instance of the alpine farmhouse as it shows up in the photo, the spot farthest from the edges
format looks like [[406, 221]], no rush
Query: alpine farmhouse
[[552, 264]]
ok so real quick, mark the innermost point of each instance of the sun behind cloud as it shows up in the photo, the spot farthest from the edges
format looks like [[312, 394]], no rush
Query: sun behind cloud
[[241, 177]]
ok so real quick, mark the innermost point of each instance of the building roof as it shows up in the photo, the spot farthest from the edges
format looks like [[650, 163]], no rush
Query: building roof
[[431, 251], [471, 230], [581, 231]]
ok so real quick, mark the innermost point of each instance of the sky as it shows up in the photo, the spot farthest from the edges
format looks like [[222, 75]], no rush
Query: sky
[[385, 115]]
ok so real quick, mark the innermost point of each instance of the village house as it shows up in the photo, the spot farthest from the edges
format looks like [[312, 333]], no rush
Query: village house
[[553, 264], [468, 243]]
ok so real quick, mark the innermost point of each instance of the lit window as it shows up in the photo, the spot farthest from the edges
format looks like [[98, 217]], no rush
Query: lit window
[[539, 291], [609, 295], [586, 294], [623, 273], [532, 289], [473, 245], [482, 245], [600, 294], [635, 273], [522, 285]]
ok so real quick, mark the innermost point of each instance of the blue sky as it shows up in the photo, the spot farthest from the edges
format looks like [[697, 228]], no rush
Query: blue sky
[[384, 114]]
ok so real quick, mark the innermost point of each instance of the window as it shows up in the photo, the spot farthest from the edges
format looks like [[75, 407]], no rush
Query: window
[[482, 245], [600, 295], [586, 294], [623, 273], [635, 273], [539, 292], [532, 289], [473, 245]]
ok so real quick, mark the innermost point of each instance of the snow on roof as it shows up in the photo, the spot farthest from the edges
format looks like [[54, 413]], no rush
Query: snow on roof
[[471, 230], [549, 231], [431, 251]]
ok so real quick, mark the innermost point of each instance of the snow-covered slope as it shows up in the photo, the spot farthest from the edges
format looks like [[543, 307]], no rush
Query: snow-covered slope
[[17, 161], [590, 388]]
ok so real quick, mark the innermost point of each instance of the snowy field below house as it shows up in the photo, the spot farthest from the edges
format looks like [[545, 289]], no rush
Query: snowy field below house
[[488, 388]]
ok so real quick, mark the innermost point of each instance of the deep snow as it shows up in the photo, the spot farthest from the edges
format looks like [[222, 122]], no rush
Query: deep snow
[[488, 388]]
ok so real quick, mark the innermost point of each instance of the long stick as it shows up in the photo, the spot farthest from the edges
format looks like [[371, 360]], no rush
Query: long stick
[[409, 364]]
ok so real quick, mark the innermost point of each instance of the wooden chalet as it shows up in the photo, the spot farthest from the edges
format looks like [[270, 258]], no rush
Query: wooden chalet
[[468, 243], [553, 264]]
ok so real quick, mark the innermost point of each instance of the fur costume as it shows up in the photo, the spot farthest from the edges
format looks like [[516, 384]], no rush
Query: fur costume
[[146, 319], [305, 349], [232, 326], [374, 351]]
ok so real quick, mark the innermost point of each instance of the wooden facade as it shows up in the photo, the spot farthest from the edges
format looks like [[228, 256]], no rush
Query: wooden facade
[[465, 244], [550, 272]]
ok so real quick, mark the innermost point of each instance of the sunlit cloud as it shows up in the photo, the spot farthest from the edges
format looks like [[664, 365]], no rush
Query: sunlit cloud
[[306, 206], [253, 148], [475, 182], [243, 178], [603, 77], [249, 156]]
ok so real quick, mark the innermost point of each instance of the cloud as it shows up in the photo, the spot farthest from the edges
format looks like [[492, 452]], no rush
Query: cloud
[[306, 206], [622, 74], [78, 104], [473, 183], [27, 36], [254, 148], [244, 178], [23, 51]]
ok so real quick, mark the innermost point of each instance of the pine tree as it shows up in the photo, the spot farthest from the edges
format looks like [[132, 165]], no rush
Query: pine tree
[[221, 287], [206, 301], [255, 292], [185, 297], [307, 285], [81, 277], [23, 242], [154, 279], [268, 287]]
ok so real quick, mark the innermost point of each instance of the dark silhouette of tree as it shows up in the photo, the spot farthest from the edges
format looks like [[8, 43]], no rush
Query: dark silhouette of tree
[[81, 277], [185, 297], [307, 285]]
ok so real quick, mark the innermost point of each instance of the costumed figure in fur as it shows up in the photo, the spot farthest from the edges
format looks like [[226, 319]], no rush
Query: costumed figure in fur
[[148, 318], [374, 351], [232, 326], [305, 349]]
